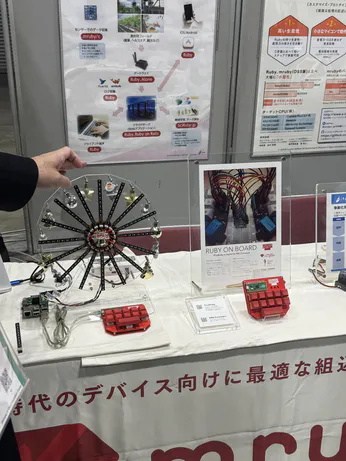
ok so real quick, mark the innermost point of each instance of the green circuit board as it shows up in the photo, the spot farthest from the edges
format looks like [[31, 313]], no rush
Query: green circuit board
[[256, 286]]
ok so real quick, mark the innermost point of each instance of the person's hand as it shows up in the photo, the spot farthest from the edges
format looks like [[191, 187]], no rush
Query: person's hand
[[99, 130], [52, 167]]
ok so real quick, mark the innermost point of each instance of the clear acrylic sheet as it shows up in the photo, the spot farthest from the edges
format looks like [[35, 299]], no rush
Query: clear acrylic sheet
[[79, 315], [211, 314], [117, 296], [278, 246]]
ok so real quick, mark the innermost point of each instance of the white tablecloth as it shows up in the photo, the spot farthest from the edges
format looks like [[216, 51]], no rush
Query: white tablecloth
[[237, 402], [316, 312], [89, 337]]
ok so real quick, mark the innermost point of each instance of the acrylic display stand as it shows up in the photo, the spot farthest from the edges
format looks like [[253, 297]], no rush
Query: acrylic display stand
[[244, 247]]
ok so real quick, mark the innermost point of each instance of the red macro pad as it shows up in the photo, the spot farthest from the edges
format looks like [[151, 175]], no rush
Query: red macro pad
[[127, 319], [267, 297]]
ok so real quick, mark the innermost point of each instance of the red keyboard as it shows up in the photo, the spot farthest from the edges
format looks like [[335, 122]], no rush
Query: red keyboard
[[266, 298], [127, 319]]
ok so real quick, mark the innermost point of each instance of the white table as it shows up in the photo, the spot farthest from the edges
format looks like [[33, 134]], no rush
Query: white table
[[186, 390]]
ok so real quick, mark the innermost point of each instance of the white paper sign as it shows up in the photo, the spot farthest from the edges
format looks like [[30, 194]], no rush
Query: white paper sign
[[138, 78], [212, 312], [301, 98], [12, 380]]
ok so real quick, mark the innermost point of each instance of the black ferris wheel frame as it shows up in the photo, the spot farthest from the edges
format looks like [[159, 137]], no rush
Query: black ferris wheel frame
[[111, 234]]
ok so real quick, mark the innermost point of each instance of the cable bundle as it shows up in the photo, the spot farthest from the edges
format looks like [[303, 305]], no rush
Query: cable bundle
[[235, 188]]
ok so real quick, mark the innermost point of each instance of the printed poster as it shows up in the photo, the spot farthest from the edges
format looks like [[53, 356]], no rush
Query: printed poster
[[12, 380], [138, 78], [240, 222], [336, 219], [301, 103]]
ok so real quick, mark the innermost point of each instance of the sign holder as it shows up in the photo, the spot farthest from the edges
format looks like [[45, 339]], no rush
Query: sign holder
[[253, 251]]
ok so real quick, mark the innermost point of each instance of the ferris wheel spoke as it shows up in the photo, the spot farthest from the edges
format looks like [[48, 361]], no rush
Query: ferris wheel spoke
[[99, 196], [128, 209], [87, 271], [116, 267], [63, 226], [135, 247], [135, 221], [115, 203], [75, 264], [71, 213], [68, 240], [99, 233], [85, 206], [67, 253], [140, 234], [129, 260], [102, 269]]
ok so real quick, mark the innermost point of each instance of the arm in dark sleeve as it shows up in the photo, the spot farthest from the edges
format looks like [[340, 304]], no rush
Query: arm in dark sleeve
[[18, 180]]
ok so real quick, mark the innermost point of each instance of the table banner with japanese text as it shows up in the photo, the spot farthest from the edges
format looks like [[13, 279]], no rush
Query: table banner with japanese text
[[260, 405], [301, 102], [138, 78]]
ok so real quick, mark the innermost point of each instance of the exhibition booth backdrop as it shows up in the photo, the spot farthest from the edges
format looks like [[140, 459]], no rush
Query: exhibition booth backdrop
[[269, 97]]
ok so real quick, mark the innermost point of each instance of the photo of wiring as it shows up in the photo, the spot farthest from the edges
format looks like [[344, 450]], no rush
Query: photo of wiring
[[240, 206]]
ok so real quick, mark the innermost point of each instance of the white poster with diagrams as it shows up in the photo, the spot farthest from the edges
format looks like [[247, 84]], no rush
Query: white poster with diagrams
[[138, 78], [240, 213], [301, 104]]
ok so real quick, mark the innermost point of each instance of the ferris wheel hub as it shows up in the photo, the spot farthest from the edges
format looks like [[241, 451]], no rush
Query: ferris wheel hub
[[101, 237]]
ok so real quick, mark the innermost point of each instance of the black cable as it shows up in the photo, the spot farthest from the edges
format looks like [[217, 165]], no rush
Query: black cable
[[84, 303], [319, 281], [69, 280], [35, 277], [314, 271], [38, 276], [110, 281]]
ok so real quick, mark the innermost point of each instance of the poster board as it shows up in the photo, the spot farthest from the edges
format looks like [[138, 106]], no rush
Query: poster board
[[301, 99], [138, 78]]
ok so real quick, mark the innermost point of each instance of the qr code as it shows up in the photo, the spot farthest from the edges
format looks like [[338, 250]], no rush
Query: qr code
[[5, 380], [199, 306], [204, 319]]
